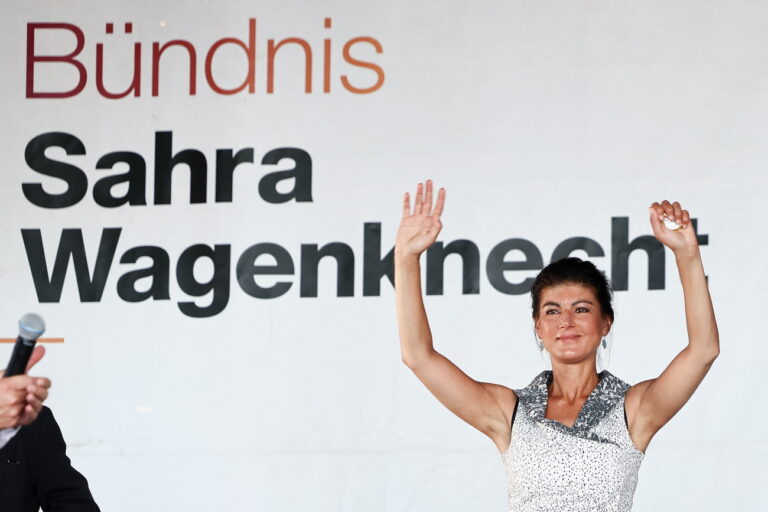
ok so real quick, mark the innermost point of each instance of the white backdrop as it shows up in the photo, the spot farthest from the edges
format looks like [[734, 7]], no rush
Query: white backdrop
[[542, 119]]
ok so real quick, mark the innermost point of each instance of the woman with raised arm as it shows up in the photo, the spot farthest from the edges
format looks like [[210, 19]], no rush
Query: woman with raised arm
[[573, 439]]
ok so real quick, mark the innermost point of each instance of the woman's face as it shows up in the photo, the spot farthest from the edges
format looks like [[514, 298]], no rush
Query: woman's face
[[570, 322]]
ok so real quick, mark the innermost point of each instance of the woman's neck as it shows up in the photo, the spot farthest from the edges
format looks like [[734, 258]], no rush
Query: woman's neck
[[573, 382]]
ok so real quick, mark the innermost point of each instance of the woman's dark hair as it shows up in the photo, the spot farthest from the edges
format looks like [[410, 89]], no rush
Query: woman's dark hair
[[573, 271]]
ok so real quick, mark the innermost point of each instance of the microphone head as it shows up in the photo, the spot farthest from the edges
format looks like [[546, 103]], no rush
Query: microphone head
[[31, 326]]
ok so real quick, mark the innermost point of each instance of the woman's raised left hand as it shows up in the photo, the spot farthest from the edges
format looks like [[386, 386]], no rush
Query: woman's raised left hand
[[679, 240]]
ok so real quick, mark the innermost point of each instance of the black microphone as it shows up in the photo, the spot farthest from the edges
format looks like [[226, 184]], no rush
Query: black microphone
[[31, 326]]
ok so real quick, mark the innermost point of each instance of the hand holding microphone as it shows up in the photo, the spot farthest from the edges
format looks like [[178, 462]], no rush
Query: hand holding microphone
[[21, 396]]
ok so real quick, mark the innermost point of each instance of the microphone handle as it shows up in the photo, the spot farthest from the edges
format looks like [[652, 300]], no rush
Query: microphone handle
[[20, 357]]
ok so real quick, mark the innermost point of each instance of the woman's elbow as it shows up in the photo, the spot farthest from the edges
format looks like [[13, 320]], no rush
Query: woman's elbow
[[410, 362], [711, 353], [414, 361], [715, 352]]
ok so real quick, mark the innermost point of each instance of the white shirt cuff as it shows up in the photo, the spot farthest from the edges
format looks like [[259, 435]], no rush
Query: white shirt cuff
[[7, 434]]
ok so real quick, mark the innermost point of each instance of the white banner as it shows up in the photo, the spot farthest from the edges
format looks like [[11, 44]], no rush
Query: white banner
[[200, 200]]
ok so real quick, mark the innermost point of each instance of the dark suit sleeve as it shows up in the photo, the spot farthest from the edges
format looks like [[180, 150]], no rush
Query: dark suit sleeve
[[60, 488]]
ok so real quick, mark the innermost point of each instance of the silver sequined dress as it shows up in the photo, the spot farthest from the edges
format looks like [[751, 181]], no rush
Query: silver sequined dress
[[591, 466]]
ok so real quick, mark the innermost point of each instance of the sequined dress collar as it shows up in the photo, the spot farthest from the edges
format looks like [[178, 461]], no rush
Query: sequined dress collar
[[606, 395]]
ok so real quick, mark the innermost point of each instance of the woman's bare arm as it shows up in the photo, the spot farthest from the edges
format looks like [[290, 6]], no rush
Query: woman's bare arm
[[487, 407], [651, 404]]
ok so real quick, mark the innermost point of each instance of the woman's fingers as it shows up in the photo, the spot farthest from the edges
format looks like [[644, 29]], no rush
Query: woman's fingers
[[406, 205], [677, 212], [428, 199], [440, 203], [422, 203], [668, 209], [672, 212], [658, 212], [419, 200]]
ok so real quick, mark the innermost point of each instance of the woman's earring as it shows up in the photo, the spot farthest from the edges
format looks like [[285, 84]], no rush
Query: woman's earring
[[605, 343], [539, 343]]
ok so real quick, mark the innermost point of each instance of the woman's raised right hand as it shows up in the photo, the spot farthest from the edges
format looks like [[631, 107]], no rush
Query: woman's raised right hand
[[419, 228]]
